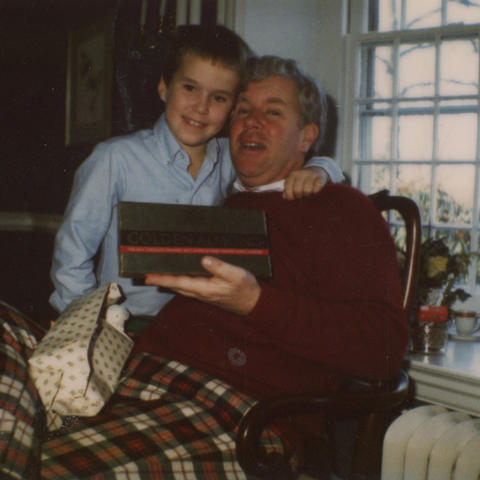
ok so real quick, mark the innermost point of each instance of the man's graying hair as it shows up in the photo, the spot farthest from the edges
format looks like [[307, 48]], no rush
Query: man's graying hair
[[312, 101]]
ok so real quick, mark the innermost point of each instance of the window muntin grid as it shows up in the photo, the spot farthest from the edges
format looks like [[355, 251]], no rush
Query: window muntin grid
[[416, 128], [388, 15]]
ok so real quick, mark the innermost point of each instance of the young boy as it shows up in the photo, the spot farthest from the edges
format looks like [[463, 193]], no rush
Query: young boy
[[178, 161]]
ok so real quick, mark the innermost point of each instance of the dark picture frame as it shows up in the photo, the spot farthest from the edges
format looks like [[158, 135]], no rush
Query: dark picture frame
[[89, 83]]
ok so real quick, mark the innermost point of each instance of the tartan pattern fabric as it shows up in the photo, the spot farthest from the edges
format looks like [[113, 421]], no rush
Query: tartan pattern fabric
[[166, 421], [21, 413]]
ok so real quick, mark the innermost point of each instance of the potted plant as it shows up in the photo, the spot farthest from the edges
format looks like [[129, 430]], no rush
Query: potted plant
[[440, 271]]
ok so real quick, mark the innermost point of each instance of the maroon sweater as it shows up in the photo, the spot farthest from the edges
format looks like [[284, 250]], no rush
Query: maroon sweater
[[333, 307]]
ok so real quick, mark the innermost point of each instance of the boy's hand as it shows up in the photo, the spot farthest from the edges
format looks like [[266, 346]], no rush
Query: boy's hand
[[305, 182], [231, 288]]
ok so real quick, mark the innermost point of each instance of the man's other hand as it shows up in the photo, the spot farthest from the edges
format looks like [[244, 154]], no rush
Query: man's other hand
[[305, 182], [231, 288]]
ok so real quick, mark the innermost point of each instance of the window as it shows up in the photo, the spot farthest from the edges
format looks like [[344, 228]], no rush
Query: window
[[415, 100]]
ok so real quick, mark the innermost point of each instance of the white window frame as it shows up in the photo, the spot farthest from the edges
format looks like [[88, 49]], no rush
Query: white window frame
[[354, 40]]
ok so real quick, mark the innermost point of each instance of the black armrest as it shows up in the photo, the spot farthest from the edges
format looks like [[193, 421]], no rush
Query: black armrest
[[353, 402]]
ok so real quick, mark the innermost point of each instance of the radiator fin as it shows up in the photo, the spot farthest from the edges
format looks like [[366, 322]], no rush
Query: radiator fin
[[432, 443]]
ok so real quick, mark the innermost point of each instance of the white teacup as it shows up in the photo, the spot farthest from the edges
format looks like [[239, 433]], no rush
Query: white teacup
[[466, 323]]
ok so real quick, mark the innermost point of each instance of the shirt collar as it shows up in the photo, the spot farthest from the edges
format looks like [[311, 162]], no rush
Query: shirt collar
[[270, 187], [213, 150], [167, 141]]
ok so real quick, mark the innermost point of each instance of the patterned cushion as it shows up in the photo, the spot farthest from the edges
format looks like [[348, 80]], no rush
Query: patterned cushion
[[21, 413]]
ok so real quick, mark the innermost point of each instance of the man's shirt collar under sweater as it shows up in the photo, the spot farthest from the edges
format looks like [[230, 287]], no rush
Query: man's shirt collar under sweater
[[277, 186]]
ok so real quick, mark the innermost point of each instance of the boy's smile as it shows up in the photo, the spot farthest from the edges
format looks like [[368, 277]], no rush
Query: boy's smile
[[198, 100]]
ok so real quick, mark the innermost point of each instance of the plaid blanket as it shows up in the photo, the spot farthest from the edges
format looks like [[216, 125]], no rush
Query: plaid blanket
[[21, 411], [166, 421]]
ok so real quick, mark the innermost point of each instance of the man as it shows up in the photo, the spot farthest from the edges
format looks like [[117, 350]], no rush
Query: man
[[334, 304]]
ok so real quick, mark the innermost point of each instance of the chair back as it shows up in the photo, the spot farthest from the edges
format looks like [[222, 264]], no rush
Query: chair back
[[410, 214]]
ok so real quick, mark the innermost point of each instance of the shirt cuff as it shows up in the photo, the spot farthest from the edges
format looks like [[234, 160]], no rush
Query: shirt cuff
[[331, 166]]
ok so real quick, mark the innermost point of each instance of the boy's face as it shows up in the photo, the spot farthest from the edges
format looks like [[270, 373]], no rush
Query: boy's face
[[198, 101]]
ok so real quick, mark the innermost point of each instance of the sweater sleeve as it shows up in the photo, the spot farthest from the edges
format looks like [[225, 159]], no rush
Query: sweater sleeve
[[350, 317]]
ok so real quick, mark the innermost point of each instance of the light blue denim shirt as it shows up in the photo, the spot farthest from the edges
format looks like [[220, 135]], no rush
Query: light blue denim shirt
[[147, 166]]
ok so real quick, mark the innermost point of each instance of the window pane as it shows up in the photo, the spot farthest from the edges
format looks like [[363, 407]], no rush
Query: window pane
[[381, 128], [375, 132], [414, 181], [373, 177], [423, 13], [388, 16], [380, 178], [457, 136], [399, 234], [463, 12], [455, 193], [458, 241], [415, 137], [416, 70], [459, 67], [377, 60]]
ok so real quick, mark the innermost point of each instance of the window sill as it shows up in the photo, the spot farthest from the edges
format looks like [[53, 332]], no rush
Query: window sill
[[451, 379]]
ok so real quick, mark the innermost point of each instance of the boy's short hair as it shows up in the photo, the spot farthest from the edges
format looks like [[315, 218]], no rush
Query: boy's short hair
[[216, 43], [312, 101]]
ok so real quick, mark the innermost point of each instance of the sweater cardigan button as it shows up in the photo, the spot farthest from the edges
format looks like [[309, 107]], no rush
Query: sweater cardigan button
[[237, 357]]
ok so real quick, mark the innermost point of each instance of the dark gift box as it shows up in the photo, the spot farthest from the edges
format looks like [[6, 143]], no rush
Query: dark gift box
[[162, 238]]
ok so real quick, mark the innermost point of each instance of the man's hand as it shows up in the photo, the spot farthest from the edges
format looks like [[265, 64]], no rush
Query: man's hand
[[305, 182], [230, 288]]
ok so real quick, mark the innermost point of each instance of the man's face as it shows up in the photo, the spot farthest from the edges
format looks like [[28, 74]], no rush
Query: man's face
[[267, 141], [198, 100]]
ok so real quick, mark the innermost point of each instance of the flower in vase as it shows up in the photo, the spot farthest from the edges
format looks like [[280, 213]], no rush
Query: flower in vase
[[436, 266], [440, 271]]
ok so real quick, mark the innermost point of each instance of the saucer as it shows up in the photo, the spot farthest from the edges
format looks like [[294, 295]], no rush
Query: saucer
[[475, 337]]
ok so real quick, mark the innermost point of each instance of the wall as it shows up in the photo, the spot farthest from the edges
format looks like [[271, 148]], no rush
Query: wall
[[311, 32], [306, 30]]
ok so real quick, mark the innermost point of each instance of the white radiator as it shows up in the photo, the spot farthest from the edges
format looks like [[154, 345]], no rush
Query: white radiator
[[432, 443]]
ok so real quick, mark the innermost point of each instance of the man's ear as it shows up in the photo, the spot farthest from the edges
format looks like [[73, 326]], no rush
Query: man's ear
[[309, 135], [162, 89]]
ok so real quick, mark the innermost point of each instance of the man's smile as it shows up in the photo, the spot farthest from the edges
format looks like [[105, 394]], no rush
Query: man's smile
[[253, 146], [250, 141]]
